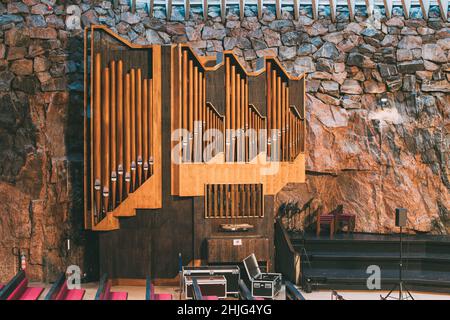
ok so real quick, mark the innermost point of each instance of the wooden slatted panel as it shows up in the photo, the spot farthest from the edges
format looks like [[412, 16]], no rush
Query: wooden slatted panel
[[234, 201]]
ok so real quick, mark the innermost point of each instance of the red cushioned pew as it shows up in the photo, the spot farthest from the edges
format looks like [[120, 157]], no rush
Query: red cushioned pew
[[17, 289], [59, 291], [151, 295], [104, 291]]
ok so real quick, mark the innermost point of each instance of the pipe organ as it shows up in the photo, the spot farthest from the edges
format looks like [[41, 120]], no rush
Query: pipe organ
[[191, 147], [121, 122]]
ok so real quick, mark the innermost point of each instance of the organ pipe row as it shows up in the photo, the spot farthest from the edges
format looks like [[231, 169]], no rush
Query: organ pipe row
[[197, 117], [121, 126], [284, 125], [237, 111], [246, 132]]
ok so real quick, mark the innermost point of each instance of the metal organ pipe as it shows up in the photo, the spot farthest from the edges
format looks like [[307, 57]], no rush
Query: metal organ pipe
[[133, 128], [112, 122], [97, 130], [127, 134], [138, 131], [105, 138], [120, 131]]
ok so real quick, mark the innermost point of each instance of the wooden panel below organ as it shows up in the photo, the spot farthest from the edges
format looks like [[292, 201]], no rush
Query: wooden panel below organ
[[234, 250]]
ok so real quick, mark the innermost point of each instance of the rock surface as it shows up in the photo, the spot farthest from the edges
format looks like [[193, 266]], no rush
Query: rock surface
[[369, 157]]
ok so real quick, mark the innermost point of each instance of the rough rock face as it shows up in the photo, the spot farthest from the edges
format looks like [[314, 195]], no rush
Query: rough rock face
[[368, 157]]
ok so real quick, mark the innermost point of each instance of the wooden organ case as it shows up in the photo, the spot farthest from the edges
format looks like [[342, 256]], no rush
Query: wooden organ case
[[183, 151]]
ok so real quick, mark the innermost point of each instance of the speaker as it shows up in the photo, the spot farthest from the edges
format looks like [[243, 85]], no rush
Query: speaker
[[400, 217]]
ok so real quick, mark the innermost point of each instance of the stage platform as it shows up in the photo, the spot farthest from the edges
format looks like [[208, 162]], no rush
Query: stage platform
[[342, 262]]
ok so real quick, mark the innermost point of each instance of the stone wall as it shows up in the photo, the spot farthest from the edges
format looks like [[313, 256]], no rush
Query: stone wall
[[369, 157]]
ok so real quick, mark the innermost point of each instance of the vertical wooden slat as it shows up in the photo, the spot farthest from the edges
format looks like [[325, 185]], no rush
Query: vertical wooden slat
[[133, 6], [151, 8], [425, 7], [210, 201], [169, 9], [105, 138], [241, 9], [232, 200], [222, 199], [278, 8], [223, 9], [187, 9], [406, 4], [205, 9], [315, 9], [227, 200], [387, 7], [113, 128], [443, 6], [216, 198], [333, 10], [296, 10], [260, 7], [369, 7]]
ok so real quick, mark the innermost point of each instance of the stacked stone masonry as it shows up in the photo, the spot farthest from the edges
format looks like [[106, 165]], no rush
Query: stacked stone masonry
[[367, 154]]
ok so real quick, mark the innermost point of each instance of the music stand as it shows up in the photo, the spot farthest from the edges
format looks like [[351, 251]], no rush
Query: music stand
[[403, 292]]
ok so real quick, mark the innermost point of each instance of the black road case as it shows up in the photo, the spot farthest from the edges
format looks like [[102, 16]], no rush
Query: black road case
[[209, 286], [263, 285], [231, 274]]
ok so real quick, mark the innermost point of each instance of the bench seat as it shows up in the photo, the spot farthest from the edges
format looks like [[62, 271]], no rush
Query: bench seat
[[118, 296], [31, 293], [163, 296], [74, 294]]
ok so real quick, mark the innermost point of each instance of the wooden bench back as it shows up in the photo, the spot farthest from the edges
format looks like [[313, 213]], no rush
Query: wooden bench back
[[103, 290], [292, 292], [55, 290]]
